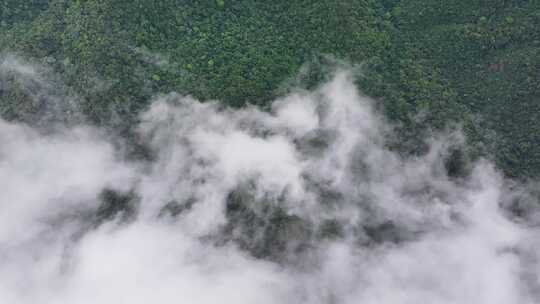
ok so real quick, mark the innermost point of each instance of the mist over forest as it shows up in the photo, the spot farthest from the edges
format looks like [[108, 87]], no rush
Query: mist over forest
[[222, 151]]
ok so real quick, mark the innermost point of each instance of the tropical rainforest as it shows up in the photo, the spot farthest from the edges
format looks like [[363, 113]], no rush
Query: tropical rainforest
[[270, 151], [429, 64]]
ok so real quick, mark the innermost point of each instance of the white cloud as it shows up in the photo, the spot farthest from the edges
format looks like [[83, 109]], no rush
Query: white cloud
[[408, 232]]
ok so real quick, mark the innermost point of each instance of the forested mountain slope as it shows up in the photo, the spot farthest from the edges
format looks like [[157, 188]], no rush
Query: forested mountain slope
[[428, 63]]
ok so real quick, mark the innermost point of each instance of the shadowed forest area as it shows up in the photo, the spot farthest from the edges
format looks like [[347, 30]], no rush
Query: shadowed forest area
[[427, 63]]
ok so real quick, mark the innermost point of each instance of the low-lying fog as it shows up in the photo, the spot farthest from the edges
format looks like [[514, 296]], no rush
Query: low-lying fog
[[302, 204]]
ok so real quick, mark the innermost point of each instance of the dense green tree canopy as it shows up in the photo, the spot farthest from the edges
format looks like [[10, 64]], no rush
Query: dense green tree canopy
[[427, 62]]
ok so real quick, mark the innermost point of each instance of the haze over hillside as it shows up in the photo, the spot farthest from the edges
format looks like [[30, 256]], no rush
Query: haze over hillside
[[224, 151]]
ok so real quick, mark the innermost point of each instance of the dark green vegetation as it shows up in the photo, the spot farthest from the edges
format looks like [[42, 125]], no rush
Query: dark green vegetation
[[428, 62]]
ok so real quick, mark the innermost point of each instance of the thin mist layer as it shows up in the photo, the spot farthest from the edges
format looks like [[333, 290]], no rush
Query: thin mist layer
[[302, 204]]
